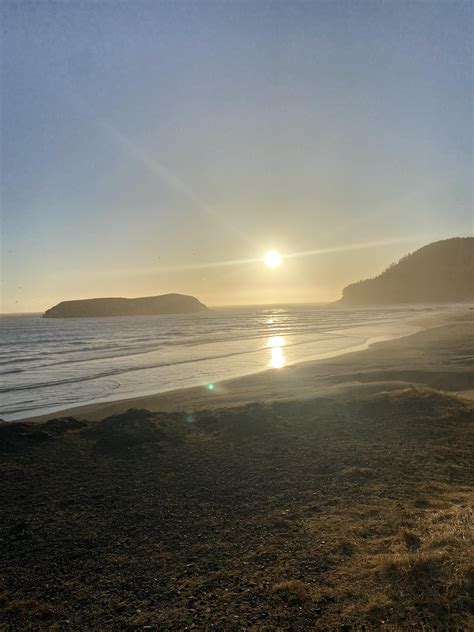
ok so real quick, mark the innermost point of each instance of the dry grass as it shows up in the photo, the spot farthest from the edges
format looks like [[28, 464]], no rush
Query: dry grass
[[293, 592], [415, 576], [440, 570]]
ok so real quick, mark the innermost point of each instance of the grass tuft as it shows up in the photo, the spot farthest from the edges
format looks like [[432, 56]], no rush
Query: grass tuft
[[294, 592]]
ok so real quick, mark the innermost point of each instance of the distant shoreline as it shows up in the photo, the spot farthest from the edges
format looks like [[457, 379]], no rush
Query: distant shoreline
[[337, 303]]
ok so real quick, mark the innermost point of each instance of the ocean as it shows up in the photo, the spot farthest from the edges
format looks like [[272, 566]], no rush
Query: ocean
[[51, 364]]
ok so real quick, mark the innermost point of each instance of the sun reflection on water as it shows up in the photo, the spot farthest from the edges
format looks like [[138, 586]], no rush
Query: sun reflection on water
[[277, 357]]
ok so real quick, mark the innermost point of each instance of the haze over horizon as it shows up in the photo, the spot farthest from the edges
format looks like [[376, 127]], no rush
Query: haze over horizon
[[152, 148]]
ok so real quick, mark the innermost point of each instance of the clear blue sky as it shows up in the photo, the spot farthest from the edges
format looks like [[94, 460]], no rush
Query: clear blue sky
[[140, 138]]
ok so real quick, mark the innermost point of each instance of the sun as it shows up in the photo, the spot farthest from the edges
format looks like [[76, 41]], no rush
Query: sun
[[272, 259]]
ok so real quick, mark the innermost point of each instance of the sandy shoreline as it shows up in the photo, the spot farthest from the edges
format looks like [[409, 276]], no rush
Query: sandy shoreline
[[442, 362]]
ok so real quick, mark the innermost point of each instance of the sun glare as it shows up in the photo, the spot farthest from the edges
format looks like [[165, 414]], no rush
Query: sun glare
[[277, 357], [272, 259]]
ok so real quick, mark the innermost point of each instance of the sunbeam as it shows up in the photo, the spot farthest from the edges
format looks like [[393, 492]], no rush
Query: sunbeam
[[291, 255], [166, 175]]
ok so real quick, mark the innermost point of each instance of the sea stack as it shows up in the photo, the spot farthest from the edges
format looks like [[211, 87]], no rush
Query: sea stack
[[144, 306]]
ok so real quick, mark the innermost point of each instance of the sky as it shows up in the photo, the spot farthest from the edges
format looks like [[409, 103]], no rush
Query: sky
[[154, 147]]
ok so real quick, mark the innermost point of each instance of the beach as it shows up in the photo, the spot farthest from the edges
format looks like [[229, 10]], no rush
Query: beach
[[48, 365], [439, 355], [332, 495]]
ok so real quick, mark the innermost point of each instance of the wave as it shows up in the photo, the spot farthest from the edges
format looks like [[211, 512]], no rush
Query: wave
[[124, 352], [124, 370], [19, 360]]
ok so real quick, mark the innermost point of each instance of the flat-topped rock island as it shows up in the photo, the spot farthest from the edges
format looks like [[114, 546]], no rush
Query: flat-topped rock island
[[144, 306]]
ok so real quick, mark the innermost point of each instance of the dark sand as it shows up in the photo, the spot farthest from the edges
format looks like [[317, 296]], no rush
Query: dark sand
[[342, 503]]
